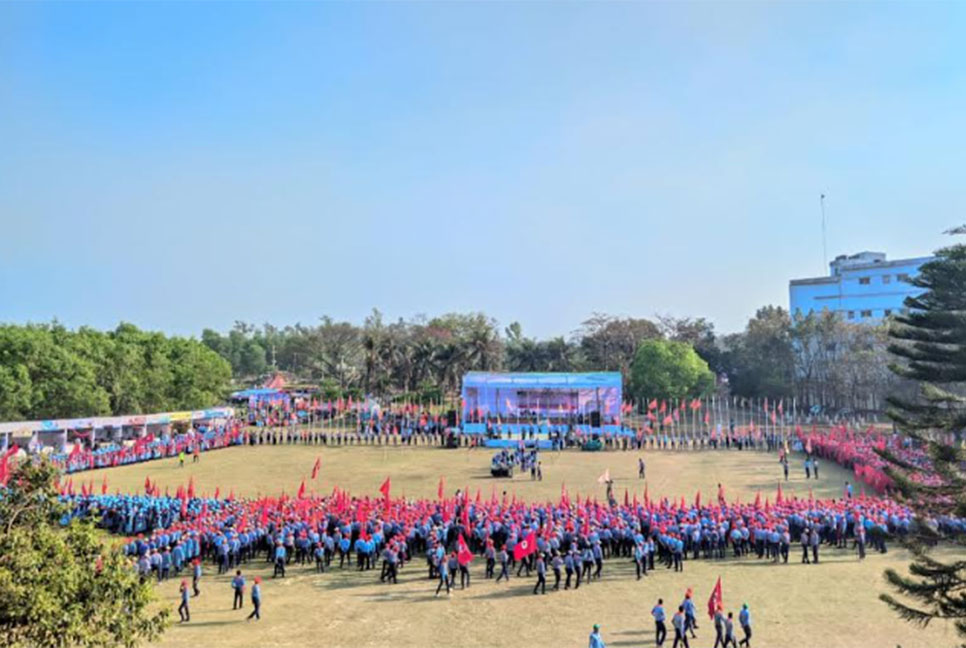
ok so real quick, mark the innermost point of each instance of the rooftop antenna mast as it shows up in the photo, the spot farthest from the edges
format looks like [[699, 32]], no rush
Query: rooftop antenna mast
[[821, 201]]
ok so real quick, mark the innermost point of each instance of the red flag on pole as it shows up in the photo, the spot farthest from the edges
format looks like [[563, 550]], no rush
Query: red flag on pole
[[384, 489], [439, 489], [464, 555], [301, 493], [778, 497], [715, 603], [315, 468], [525, 547], [104, 485]]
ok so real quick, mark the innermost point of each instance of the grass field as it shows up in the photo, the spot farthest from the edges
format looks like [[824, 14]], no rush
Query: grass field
[[831, 605]]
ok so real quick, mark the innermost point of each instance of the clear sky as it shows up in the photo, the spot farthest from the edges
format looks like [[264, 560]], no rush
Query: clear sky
[[183, 165]]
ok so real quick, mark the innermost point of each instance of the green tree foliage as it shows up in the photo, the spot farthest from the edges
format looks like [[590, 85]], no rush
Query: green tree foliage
[[929, 344], [62, 586], [48, 371], [760, 360], [610, 343], [669, 369]]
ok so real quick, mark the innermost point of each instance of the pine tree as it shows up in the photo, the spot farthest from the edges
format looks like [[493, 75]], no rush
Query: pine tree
[[929, 342]]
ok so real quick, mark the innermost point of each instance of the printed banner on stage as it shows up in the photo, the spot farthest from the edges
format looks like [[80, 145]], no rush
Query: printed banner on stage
[[556, 397]]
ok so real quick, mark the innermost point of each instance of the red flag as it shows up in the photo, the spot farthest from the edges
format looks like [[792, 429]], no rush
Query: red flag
[[627, 498], [778, 497], [301, 493], [104, 485], [652, 405], [315, 468], [384, 489], [147, 484], [758, 499], [697, 500], [439, 489], [191, 487], [716, 602], [218, 491], [464, 555], [525, 547], [707, 418]]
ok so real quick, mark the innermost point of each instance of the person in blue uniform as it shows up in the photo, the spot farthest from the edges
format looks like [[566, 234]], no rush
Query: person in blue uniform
[[541, 575], [596, 641], [280, 554], [256, 600], [238, 585], [183, 610], [744, 618], [660, 629], [443, 577], [196, 576]]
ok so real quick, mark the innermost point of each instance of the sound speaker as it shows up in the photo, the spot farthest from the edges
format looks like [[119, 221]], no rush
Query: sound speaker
[[451, 418], [595, 419]]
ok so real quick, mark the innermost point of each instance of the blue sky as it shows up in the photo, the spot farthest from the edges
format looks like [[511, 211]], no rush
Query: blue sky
[[185, 165]]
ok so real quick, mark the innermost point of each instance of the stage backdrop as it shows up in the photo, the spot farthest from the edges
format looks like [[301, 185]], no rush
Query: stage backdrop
[[512, 399]]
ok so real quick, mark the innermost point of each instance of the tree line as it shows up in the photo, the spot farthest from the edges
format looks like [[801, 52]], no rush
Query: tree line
[[48, 371], [819, 359]]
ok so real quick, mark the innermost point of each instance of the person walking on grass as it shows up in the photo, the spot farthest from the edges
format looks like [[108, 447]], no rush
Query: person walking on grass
[[744, 618], [256, 600], [183, 610], [729, 638], [196, 576], [443, 577], [660, 630], [541, 575], [680, 628]]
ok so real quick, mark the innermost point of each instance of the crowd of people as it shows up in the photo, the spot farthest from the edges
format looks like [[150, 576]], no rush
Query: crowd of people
[[573, 541]]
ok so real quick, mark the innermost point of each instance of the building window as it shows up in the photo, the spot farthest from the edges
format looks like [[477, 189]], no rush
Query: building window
[[888, 312], [886, 279], [851, 314], [864, 281], [866, 313], [902, 276]]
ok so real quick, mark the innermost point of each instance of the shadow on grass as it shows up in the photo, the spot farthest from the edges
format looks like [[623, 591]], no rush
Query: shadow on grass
[[209, 624]]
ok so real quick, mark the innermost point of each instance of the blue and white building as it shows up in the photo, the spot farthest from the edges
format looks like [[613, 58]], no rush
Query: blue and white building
[[863, 287]]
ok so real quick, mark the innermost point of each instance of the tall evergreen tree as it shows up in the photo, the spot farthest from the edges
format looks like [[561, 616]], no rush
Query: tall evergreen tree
[[929, 342]]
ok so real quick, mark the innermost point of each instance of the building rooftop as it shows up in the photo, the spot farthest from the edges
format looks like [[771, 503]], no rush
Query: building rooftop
[[857, 262]]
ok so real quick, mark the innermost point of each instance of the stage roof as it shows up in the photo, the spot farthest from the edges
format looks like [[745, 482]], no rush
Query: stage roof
[[495, 380]]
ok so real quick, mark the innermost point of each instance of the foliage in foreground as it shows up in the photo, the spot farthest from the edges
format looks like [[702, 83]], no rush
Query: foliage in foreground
[[60, 586], [930, 345]]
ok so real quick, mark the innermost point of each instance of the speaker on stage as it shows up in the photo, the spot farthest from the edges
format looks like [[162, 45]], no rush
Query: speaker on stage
[[595, 419], [451, 418]]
